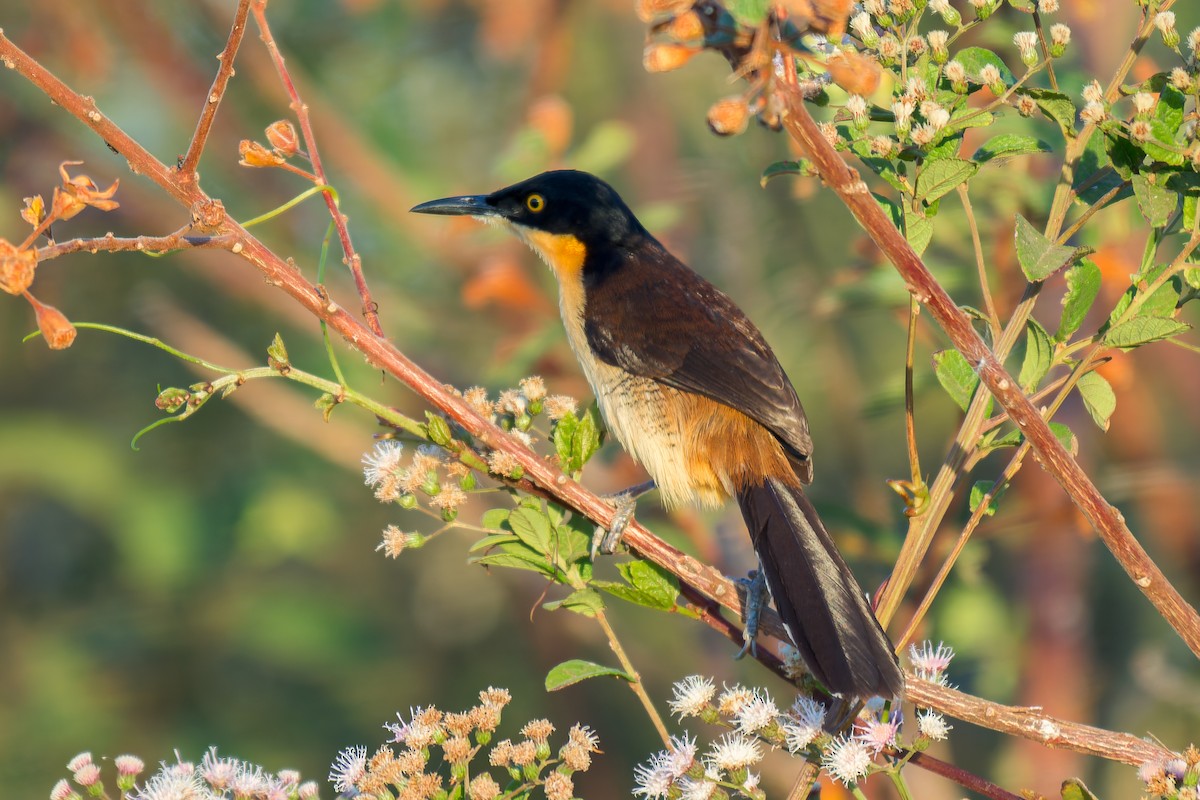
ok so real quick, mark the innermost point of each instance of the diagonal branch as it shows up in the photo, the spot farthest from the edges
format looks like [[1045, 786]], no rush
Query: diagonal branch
[[187, 166], [1107, 521]]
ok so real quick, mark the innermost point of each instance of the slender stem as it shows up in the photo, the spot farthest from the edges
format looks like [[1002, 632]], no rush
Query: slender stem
[[984, 289], [901, 785], [636, 680], [1037, 24], [802, 787], [910, 424], [187, 166], [352, 259], [150, 245]]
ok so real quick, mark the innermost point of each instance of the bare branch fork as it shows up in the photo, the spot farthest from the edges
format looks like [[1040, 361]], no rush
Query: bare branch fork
[[700, 583]]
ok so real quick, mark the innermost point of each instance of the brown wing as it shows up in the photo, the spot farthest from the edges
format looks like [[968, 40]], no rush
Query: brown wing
[[658, 319]]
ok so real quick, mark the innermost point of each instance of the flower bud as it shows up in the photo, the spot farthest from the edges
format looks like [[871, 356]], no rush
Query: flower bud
[[57, 330], [439, 429], [664, 57], [729, 117], [171, 400], [282, 136], [254, 154]]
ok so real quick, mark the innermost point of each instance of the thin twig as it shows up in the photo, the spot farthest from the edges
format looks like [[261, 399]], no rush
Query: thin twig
[[635, 679], [352, 259], [980, 264], [212, 101], [154, 245]]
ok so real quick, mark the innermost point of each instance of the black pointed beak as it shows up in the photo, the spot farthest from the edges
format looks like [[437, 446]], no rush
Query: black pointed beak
[[473, 205]]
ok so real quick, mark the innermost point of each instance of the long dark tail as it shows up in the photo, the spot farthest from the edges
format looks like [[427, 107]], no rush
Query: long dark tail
[[823, 607]]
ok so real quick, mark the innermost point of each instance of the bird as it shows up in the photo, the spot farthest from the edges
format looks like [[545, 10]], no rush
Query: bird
[[692, 391]]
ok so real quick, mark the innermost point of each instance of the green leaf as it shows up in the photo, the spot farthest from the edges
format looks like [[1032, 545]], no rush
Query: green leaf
[[1156, 202], [975, 58], [587, 602], [656, 584], [494, 518], [1000, 149], [956, 376], [517, 559], [1057, 107], [277, 355], [1039, 356], [532, 527], [1083, 284], [493, 540], [1109, 156], [918, 229], [564, 437], [800, 167], [1066, 437], [1098, 398], [1074, 789], [587, 438], [1192, 276], [978, 491], [1143, 330], [1168, 120], [572, 672], [938, 178], [968, 118], [1040, 258]]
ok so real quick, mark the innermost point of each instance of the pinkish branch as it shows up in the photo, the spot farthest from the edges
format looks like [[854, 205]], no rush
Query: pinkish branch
[[182, 239], [212, 101], [351, 258]]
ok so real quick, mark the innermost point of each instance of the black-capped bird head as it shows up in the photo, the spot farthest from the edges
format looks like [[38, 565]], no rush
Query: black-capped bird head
[[563, 215]]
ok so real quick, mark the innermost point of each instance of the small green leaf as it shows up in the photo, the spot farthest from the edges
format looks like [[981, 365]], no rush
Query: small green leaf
[[800, 167], [1057, 107], [493, 540], [494, 518], [1039, 356], [1143, 330], [438, 429], [918, 229], [1168, 115], [1156, 202], [956, 376], [515, 559], [938, 178], [572, 672], [587, 602], [587, 439], [978, 491], [1192, 276], [326, 403], [1074, 789], [1066, 437], [1104, 165], [1083, 284], [277, 355], [1098, 398], [532, 527], [658, 585], [1040, 258], [1000, 149], [975, 58]]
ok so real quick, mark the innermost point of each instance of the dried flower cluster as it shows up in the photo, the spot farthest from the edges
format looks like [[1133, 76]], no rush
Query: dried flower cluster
[[18, 263], [285, 144], [407, 767], [212, 779], [754, 722]]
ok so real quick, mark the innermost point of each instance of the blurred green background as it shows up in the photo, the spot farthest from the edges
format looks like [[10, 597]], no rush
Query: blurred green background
[[220, 585]]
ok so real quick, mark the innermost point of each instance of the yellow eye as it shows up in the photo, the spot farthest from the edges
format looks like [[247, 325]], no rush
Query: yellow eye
[[535, 203]]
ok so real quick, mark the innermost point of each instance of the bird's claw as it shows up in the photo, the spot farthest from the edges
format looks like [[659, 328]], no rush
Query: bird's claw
[[756, 597], [625, 502]]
